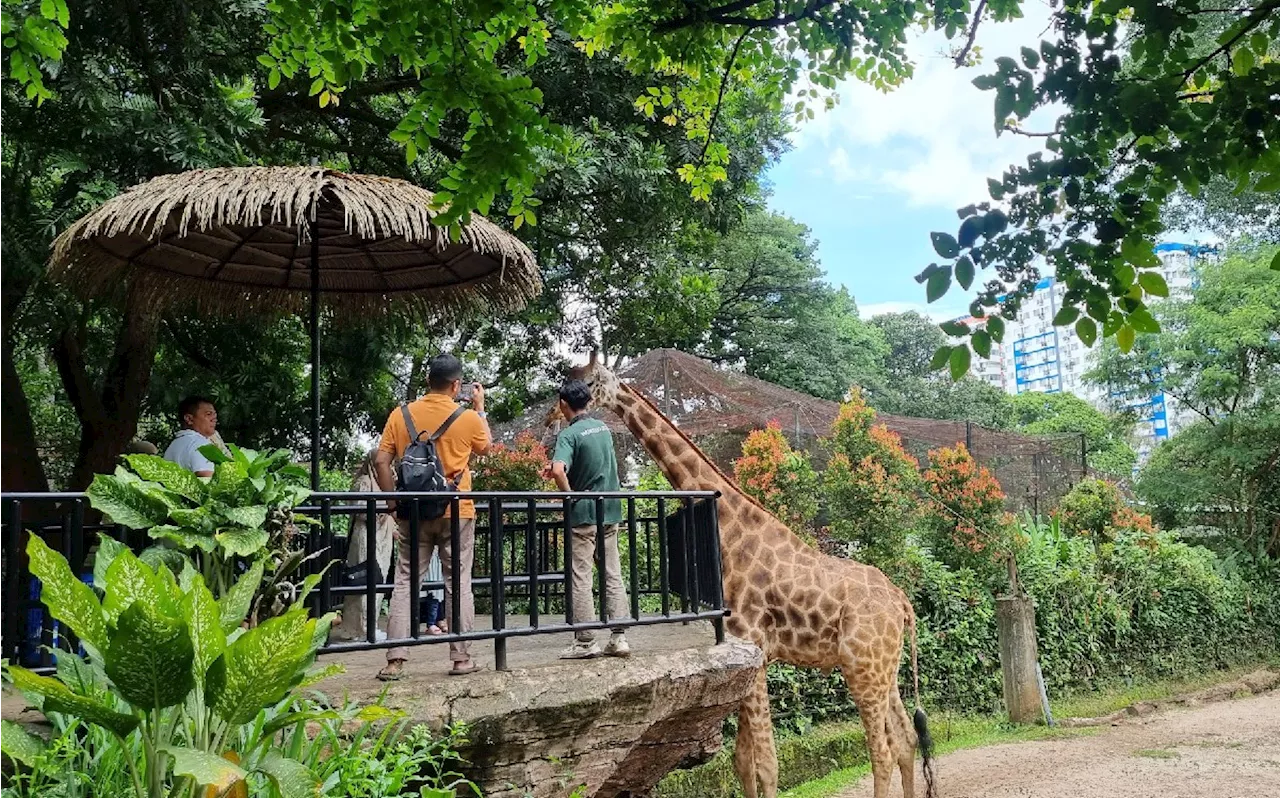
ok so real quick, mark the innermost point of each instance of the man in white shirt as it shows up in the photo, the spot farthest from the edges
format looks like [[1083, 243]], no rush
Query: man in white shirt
[[199, 420]]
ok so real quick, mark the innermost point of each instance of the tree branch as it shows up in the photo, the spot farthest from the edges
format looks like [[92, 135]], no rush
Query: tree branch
[[963, 55], [724, 86], [1029, 134], [1255, 19], [723, 16]]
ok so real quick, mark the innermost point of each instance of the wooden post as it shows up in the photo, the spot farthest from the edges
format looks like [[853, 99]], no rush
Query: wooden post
[[1016, 630]]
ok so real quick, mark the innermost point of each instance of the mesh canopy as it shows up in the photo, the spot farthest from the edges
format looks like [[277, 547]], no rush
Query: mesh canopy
[[718, 408]]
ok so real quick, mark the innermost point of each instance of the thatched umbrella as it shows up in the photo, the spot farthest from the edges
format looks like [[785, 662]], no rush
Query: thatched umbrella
[[274, 239]]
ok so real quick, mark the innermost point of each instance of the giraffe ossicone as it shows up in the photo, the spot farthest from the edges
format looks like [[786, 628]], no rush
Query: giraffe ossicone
[[797, 604]]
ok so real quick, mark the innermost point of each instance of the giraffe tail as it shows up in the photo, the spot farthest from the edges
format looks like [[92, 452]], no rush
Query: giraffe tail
[[919, 719]]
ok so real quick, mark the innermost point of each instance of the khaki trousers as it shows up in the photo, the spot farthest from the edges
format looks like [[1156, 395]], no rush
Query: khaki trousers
[[433, 534], [584, 557]]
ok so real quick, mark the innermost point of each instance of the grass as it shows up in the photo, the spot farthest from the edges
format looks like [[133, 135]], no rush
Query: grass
[[953, 733], [1157, 753]]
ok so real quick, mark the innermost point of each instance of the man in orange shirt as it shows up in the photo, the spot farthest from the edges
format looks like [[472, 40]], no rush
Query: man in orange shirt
[[467, 435]]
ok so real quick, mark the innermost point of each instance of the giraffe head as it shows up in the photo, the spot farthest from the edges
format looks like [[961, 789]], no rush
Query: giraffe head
[[604, 384]]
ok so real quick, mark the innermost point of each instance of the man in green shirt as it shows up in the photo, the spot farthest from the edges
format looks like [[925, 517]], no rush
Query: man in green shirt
[[584, 460]]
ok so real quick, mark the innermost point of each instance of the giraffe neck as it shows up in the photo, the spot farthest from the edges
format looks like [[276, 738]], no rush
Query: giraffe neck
[[687, 468]]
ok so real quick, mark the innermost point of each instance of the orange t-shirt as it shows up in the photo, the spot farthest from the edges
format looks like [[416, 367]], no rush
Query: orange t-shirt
[[467, 435]]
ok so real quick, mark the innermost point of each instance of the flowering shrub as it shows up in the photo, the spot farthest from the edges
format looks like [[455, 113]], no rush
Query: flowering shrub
[[778, 477], [515, 467], [1094, 508], [869, 486], [966, 523]]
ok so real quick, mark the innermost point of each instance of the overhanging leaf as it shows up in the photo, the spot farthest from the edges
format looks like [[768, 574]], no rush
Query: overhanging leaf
[[995, 326], [955, 328], [149, 658], [1142, 321], [964, 272], [19, 744], [945, 245], [56, 697], [1124, 337], [982, 343], [1087, 330], [1066, 316], [938, 284], [125, 502], [940, 358], [960, 357], [1153, 283], [68, 599]]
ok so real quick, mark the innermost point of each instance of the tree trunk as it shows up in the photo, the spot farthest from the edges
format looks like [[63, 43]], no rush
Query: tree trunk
[[109, 415], [19, 457]]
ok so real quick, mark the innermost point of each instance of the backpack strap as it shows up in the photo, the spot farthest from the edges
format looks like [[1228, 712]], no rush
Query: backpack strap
[[408, 422], [435, 436]]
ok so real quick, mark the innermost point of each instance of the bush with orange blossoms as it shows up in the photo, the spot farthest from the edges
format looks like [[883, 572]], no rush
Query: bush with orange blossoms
[[966, 523], [515, 467], [1094, 508], [870, 486], [779, 477]]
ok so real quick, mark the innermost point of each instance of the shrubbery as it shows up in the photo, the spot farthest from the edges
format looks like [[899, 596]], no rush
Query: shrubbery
[[1114, 597], [779, 477], [516, 467]]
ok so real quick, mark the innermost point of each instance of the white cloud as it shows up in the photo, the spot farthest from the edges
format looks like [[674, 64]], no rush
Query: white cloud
[[932, 139]]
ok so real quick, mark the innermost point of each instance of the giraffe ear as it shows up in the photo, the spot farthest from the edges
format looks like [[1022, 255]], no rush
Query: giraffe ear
[[595, 355]]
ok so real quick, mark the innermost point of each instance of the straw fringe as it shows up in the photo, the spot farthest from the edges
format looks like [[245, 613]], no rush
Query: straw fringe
[[373, 208]]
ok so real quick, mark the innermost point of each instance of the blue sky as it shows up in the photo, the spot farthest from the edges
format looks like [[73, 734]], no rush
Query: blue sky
[[876, 174]]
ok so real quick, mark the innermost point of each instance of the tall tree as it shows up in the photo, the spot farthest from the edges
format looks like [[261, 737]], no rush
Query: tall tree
[[907, 385], [1106, 435]]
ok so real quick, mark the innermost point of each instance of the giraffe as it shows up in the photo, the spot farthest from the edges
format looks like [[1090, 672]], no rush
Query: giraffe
[[796, 604]]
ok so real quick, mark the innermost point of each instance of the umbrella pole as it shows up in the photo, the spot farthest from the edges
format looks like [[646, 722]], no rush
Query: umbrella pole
[[315, 349]]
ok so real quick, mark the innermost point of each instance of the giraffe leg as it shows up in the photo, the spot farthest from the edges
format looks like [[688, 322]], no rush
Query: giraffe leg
[[873, 708], [754, 757], [904, 743]]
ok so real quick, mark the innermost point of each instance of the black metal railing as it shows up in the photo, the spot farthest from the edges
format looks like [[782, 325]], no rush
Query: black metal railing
[[669, 547]]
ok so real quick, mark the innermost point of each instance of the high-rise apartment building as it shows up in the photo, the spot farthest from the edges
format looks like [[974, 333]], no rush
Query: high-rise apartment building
[[1037, 356]]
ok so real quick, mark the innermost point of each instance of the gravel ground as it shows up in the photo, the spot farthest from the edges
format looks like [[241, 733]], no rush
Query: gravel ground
[[1229, 749]]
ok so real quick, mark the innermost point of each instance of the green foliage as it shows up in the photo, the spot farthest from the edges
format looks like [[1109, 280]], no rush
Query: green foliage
[[689, 60], [520, 466], [1106, 435], [966, 526], [1090, 506], [869, 487], [1135, 79], [906, 383], [168, 681], [781, 479], [243, 513]]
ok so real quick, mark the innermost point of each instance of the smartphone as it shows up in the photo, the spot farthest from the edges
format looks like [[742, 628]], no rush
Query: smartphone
[[466, 392]]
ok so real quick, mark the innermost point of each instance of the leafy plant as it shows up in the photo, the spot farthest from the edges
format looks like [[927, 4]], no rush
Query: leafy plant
[[242, 514], [515, 467], [869, 485], [172, 673], [779, 477], [966, 524]]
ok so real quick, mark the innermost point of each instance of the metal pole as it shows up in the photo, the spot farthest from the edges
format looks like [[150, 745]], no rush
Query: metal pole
[[315, 346], [1084, 457]]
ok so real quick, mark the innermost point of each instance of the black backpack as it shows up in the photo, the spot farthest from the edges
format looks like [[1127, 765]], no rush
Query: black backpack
[[420, 469]]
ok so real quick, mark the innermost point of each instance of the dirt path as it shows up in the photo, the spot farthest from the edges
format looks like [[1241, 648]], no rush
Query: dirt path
[[1229, 749]]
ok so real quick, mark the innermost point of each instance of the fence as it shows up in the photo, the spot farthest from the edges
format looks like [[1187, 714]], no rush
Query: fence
[[671, 561]]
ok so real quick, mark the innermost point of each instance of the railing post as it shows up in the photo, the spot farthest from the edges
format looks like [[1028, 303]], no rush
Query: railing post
[[600, 570], [455, 567], [664, 572], [497, 584], [371, 576], [415, 576], [325, 561], [716, 567], [568, 561], [531, 558], [15, 616], [633, 557]]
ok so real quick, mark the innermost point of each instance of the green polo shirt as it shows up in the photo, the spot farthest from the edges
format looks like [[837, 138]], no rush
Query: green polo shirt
[[585, 447]]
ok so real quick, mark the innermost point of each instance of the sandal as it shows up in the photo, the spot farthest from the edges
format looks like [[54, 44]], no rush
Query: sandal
[[434, 630], [393, 671], [461, 670]]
